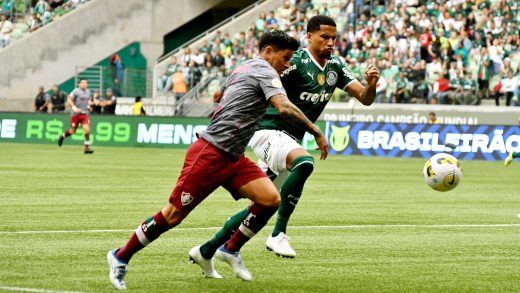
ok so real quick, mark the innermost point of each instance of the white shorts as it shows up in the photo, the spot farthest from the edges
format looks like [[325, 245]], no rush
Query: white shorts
[[271, 147]]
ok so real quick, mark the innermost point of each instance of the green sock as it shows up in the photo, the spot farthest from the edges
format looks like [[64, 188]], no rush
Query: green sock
[[208, 249], [516, 155], [291, 191]]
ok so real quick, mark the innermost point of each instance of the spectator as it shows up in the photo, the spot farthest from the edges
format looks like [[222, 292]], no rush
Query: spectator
[[260, 22], [180, 88], [469, 86], [164, 83], [34, 23], [119, 74], [440, 93], [108, 103], [402, 94], [303, 6], [483, 73], [41, 102], [219, 61], [47, 16], [58, 98], [509, 85], [381, 90], [40, 7], [138, 109], [7, 8], [271, 22], [432, 118], [95, 103], [6, 28], [195, 74], [198, 57]]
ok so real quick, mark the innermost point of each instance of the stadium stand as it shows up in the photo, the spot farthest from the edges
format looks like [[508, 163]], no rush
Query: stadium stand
[[27, 16], [438, 52], [88, 35]]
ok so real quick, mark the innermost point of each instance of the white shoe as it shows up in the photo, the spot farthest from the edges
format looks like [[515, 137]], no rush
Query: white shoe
[[205, 264], [280, 245], [509, 159], [117, 270], [235, 261]]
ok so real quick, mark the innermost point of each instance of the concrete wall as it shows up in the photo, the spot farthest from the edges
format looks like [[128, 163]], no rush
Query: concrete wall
[[240, 23], [85, 36]]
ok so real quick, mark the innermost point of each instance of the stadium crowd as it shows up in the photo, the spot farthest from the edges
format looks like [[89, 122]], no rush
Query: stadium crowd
[[19, 17], [444, 52]]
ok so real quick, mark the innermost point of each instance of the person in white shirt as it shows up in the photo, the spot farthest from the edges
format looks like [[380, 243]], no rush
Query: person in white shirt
[[6, 27], [509, 85]]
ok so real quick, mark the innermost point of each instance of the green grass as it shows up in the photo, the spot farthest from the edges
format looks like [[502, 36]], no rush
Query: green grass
[[45, 188]]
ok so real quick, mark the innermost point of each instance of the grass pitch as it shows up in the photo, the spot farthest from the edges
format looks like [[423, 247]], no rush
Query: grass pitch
[[364, 224]]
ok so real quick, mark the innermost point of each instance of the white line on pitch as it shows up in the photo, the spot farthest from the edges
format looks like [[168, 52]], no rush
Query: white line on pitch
[[292, 227], [19, 289]]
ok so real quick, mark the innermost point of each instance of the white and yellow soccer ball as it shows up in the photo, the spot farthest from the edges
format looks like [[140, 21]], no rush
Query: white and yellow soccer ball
[[442, 172]]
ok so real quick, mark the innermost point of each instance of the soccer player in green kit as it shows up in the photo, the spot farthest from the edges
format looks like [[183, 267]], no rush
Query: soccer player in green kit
[[311, 79]]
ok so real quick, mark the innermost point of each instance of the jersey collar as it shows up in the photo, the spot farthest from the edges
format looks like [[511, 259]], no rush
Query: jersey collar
[[314, 60]]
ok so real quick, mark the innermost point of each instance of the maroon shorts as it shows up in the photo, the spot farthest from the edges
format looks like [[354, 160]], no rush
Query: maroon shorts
[[206, 167], [76, 119]]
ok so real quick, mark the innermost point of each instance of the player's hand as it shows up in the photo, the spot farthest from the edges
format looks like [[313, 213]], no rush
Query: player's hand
[[76, 109], [372, 74], [323, 146]]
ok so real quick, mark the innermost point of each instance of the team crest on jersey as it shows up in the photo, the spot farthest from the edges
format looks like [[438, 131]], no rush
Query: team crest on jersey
[[320, 78], [276, 83], [332, 78], [186, 198]]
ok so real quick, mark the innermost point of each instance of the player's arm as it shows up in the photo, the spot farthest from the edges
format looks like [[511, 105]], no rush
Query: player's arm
[[70, 102], [365, 94], [295, 116]]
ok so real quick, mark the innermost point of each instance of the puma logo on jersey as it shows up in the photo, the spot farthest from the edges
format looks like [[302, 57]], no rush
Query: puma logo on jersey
[[309, 74]]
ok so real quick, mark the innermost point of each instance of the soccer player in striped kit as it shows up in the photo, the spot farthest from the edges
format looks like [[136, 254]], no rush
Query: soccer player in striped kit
[[217, 159], [78, 100]]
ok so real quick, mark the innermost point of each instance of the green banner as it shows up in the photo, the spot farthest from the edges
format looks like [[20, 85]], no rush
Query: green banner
[[131, 131]]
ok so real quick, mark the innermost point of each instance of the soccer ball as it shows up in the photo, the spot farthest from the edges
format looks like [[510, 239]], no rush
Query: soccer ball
[[442, 172]]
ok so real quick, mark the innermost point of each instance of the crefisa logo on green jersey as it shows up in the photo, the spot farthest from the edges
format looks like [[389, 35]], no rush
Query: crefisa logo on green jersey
[[323, 96]]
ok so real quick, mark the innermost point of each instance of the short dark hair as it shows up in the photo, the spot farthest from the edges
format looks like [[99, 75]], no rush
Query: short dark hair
[[318, 20], [279, 40]]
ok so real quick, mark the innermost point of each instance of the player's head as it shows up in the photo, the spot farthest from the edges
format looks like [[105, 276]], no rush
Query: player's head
[[83, 84], [321, 35], [277, 48]]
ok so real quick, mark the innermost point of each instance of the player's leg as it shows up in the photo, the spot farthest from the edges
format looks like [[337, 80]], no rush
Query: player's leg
[[74, 122], [191, 188], [253, 184], [301, 165], [265, 203], [85, 124], [167, 218], [511, 156], [281, 153], [208, 249]]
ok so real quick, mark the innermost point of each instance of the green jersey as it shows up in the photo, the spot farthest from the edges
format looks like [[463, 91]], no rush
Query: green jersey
[[309, 86]]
